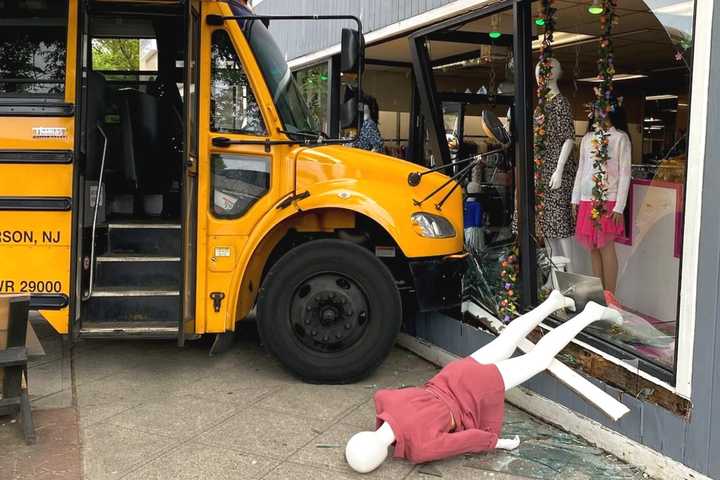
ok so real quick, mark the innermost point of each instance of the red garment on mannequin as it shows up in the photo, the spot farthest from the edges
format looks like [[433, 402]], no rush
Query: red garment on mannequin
[[420, 417]]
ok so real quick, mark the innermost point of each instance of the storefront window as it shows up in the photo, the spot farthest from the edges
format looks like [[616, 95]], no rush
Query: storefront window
[[390, 86], [473, 70], [629, 260], [33, 45], [313, 83]]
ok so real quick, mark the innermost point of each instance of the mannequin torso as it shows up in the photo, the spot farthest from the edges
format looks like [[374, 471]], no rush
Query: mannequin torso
[[558, 170]]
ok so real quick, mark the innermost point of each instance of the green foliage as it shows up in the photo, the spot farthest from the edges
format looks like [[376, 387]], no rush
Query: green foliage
[[116, 54]]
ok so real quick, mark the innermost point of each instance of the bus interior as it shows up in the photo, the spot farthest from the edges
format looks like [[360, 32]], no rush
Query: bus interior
[[133, 122]]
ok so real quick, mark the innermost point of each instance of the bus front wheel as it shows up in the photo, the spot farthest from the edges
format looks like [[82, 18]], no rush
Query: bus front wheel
[[330, 311]]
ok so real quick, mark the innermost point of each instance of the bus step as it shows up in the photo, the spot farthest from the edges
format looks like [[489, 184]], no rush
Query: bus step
[[115, 330], [138, 307], [145, 239], [141, 271]]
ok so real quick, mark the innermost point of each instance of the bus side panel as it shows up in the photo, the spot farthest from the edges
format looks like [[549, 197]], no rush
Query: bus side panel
[[36, 189]]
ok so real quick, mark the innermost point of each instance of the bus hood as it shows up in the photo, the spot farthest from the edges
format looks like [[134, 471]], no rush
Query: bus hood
[[377, 186]]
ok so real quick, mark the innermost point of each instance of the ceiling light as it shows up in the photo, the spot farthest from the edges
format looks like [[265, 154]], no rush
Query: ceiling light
[[682, 104], [562, 38], [618, 77], [683, 9], [494, 34], [540, 21], [596, 8], [665, 96]]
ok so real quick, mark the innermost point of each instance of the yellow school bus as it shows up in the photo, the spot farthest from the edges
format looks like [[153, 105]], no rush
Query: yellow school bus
[[161, 176]]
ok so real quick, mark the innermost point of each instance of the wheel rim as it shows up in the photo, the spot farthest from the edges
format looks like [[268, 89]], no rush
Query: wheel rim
[[329, 312]]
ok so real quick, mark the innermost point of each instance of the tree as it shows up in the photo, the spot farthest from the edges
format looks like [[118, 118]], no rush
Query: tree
[[116, 54]]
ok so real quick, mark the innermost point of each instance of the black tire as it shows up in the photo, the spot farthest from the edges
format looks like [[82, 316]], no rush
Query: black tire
[[311, 295]]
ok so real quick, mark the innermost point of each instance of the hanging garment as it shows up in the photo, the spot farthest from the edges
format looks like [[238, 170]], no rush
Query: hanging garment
[[465, 394], [557, 219], [369, 137]]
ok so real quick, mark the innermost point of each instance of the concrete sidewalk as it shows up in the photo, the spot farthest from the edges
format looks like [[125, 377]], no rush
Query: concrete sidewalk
[[148, 410]]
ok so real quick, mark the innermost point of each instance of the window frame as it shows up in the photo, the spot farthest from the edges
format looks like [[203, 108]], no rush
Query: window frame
[[239, 155], [681, 382]]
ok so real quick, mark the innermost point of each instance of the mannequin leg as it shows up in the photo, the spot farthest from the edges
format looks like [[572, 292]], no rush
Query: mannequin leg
[[597, 264], [609, 267], [516, 371], [506, 343], [567, 249]]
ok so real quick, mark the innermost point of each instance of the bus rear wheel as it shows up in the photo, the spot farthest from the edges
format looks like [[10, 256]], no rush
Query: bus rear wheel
[[330, 311]]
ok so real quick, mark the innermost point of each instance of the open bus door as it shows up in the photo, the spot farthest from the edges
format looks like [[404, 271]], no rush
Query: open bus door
[[37, 154], [190, 187]]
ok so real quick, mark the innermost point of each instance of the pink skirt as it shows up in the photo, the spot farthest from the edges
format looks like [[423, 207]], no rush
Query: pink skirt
[[592, 235]]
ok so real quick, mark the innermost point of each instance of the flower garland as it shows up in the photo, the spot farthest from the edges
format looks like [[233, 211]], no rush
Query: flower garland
[[539, 142], [603, 105], [508, 296]]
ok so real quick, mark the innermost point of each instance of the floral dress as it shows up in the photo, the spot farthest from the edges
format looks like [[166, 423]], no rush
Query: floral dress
[[369, 138], [557, 219]]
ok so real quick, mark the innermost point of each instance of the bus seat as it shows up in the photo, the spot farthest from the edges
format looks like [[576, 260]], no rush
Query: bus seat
[[97, 102], [140, 125]]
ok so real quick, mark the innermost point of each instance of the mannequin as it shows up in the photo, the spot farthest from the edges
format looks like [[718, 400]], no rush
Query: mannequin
[[460, 410], [599, 236], [369, 137], [558, 170]]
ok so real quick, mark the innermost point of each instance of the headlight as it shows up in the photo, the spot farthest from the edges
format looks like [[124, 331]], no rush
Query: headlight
[[432, 226]]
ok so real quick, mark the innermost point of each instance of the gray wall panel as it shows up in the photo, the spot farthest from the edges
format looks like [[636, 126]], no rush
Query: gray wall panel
[[706, 371], [299, 40]]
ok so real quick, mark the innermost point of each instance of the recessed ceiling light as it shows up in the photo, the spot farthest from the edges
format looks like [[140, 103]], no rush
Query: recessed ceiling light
[[665, 96], [562, 38], [683, 9], [618, 77]]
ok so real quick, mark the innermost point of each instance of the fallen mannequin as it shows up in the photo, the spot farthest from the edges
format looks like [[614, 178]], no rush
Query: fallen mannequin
[[461, 409]]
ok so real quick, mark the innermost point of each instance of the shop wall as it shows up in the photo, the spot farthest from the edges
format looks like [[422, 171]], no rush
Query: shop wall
[[308, 37], [695, 443]]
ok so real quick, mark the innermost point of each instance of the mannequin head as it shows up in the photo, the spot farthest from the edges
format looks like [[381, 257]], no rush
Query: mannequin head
[[616, 118], [371, 110], [555, 72], [365, 452]]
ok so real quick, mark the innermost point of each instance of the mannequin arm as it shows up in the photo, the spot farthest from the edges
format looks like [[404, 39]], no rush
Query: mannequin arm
[[508, 443], [556, 178], [576, 194], [624, 175], [472, 440]]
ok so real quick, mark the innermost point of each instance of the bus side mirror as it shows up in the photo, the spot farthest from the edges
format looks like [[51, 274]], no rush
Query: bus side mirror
[[351, 53], [349, 113]]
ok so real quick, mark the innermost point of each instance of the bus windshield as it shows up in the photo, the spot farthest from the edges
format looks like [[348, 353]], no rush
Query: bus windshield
[[291, 106], [280, 81]]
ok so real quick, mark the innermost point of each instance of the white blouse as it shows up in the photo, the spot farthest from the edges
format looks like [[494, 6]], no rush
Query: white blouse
[[618, 169]]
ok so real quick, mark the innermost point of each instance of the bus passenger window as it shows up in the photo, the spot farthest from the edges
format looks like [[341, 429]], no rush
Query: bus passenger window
[[33, 46], [233, 108], [238, 182]]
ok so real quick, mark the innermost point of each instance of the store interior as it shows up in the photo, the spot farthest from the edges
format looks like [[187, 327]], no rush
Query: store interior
[[473, 69]]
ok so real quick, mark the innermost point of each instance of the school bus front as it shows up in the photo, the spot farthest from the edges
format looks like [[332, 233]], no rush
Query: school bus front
[[165, 185]]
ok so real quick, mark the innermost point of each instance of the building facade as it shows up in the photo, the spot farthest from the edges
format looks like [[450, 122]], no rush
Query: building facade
[[435, 65]]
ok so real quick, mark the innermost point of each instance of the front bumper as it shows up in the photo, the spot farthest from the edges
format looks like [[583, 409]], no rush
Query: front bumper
[[438, 281]]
